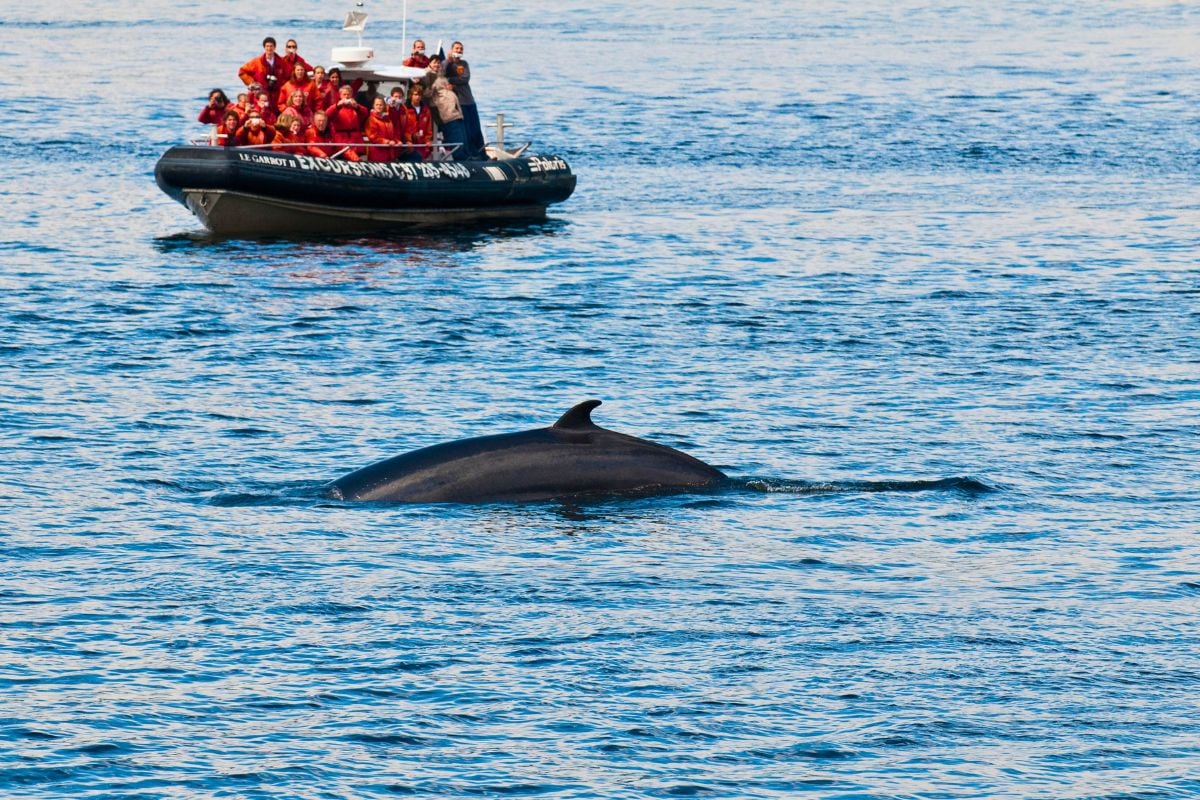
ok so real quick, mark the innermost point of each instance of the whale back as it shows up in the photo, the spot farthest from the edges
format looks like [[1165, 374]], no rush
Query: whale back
[[572, 457]]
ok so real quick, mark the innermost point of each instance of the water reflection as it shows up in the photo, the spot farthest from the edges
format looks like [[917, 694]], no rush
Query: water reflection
[[455, 237], [338, 259]]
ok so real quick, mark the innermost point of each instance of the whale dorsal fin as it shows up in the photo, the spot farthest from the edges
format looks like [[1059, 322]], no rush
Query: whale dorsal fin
[[578, 418]]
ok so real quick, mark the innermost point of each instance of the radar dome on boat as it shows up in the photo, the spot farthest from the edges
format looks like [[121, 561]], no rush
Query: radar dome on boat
[[353, 56]]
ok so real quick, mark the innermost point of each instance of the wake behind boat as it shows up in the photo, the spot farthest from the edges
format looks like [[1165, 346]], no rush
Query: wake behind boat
[[288, 185]]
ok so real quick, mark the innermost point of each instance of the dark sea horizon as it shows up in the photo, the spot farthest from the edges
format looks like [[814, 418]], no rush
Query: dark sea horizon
[[923, 280]]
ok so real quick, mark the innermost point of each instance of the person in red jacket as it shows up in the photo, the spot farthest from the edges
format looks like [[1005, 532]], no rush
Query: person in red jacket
[[333, 90], [268, 70], [320, 139], [317, 87], [417, 128], [243, 106], [292, 57], [255, 132], [226, 134], [346, 120], [299, 80], [380, 131], [329, 89], [266, 108], [395, 106], [214, 112], [418, 57]]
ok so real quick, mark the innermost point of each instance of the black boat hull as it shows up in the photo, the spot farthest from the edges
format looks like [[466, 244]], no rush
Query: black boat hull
[[237, 191]]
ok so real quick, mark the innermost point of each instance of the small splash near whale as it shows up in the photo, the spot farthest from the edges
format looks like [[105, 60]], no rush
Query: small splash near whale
[[309, 493], [958, 485], [240, 493]]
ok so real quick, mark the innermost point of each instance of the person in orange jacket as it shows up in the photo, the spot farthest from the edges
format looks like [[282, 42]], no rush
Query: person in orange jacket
[[346, 120], [243, 106], [317, 88], [319, 139], [268, 70], [291, 140], [226, 134], [299, 81], [333, 88], [379, 131], [255, 132], [416, 129]]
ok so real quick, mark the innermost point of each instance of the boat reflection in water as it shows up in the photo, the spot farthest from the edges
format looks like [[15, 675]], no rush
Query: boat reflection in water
[[353, 257]]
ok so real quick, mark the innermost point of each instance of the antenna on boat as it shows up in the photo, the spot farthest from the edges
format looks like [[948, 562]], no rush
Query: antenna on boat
[[356, 21], [404, 26]]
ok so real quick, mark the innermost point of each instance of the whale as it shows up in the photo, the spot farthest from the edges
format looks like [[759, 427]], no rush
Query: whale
[[572, 458]]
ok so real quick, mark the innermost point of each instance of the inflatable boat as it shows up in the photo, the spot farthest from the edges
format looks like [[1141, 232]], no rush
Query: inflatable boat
[[262, 191], [248, 191]]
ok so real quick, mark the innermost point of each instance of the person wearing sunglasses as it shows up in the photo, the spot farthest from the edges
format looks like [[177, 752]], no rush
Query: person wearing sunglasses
[[292, 57]]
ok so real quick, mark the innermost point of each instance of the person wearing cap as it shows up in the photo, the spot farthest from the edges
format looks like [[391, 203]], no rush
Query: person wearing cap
[[444, 100], [268, 70], [458, 73], [292, 57], [418, 58]]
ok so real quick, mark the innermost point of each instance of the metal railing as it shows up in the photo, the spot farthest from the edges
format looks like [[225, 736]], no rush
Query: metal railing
[[449, 147]]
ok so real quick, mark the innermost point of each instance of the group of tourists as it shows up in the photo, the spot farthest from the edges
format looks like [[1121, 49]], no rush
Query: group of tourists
[[291, 106]]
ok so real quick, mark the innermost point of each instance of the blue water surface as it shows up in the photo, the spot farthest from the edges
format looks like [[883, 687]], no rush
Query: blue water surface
[[922, 278]]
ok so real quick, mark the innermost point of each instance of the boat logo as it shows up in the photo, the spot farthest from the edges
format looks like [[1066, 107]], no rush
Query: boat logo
[[540, 164], [435, 170]]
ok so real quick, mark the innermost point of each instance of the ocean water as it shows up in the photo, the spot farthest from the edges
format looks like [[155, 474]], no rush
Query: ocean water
[[923, 279]]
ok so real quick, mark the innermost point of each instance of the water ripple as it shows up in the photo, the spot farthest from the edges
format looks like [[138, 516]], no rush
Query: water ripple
[[925, 284]]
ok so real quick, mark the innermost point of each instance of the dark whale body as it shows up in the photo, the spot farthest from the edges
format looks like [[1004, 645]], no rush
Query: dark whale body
[[573, 457]]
